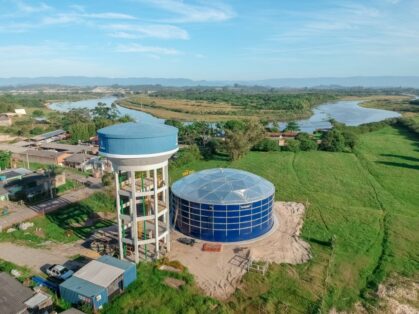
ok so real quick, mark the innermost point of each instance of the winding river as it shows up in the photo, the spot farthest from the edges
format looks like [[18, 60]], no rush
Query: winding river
[[345, 111]]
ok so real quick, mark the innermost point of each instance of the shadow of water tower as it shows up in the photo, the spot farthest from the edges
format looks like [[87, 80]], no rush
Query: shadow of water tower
[[139, 153]]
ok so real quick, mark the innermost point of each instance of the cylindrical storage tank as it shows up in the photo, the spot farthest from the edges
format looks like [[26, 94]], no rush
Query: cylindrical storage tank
[[223, 205], [137, 144]]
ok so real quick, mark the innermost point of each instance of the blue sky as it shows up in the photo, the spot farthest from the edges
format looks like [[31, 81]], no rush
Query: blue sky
[[238, 40]]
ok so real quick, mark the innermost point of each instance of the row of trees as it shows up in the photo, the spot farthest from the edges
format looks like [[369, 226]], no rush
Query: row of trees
[[83, 123], [234, 138]]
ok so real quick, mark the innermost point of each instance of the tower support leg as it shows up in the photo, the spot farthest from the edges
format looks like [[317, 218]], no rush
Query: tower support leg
[[120, 222], [134, 226], [156, 213]]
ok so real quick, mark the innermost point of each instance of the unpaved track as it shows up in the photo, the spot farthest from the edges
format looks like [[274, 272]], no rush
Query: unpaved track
[[35, 259]]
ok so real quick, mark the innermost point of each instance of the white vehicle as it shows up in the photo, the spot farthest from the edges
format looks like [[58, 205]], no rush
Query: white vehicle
[[59, 272]]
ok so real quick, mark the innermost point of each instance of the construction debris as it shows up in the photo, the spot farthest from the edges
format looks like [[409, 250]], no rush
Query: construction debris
[[173, 282], [25, 225]]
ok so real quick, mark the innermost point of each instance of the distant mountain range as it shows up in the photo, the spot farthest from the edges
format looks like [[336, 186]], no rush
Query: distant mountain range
[[354, 81]]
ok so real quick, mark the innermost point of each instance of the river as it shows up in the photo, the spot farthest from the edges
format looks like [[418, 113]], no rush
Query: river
[[344, 111]]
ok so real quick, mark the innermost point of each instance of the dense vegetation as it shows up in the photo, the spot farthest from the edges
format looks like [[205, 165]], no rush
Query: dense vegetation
[[268, 100]]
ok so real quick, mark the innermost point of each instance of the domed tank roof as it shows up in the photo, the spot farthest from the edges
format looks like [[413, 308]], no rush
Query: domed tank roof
[[223, 186], [138, 140]]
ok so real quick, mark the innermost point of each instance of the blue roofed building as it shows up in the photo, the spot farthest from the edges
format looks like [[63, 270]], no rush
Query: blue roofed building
[[98, 281]]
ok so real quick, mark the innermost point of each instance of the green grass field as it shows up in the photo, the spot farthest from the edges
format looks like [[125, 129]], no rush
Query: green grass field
[[361, 221], [68, 224]]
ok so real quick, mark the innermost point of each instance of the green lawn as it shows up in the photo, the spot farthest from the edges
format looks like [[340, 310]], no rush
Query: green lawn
[[68, 224], [149, 294], [361, 222]]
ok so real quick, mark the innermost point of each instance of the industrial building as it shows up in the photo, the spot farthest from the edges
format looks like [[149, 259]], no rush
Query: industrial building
[[41, 156], [50, 136], [223, 205], [98, 281], [139, 154]]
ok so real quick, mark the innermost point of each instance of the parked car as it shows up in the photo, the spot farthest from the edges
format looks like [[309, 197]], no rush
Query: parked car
[[59, 272]]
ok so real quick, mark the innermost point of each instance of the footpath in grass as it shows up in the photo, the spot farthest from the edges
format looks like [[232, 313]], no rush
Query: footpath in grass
[[361, 221]]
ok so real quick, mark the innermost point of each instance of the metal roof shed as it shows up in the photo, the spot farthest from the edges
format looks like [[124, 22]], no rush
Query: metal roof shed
[[130, 271], [104, 275], [76, 291]]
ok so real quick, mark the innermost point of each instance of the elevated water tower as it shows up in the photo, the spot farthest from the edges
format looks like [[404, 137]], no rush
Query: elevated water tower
[[139, 153]]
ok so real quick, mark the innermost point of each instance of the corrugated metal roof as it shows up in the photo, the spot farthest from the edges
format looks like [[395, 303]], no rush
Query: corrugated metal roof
[[48, 135], [68, 147], [115, 262], [82, 287], [79, 158], [36, 300], [98, 273]]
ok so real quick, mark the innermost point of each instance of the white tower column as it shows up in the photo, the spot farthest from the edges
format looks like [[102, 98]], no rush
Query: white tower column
[[118, 210], [134, 226], [166, 198], [156, 212]]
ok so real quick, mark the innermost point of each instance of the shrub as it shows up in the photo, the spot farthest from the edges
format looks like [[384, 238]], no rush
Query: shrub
[[266, 145], [186, 156], [333, 141], [292, 146], [350, 139], [306, 142]]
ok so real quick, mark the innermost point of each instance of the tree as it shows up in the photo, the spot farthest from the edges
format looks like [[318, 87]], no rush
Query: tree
[[5, 160], [350, 139], [292, 145], [36, 131], [333, 141], [266, 145], [78, 115], [103, 111], [82, 132], [126, 118], [306, 142], [292, 126], [239, 140], [37, 113]]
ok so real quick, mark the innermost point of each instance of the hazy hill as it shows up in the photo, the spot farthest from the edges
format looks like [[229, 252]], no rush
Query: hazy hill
[[362, 81]]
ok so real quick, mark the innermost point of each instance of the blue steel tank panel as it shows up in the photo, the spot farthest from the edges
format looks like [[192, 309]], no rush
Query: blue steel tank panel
[[137, 139], [223, 223], [223, 205]]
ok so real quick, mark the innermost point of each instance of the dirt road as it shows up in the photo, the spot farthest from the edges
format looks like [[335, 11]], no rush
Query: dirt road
[[35, 259]]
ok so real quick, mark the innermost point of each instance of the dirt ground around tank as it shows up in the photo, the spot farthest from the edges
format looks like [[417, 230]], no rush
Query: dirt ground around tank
[[219, 273]]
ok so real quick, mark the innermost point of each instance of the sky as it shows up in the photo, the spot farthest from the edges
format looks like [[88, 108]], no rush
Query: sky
[[211, 40]]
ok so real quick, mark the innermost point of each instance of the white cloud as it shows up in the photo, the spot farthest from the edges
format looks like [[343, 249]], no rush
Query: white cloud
[[137, 48], [27, 8], [67, 18], [211, 11], [147, 30]]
